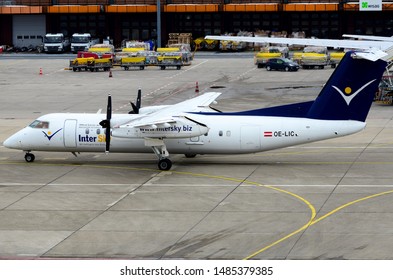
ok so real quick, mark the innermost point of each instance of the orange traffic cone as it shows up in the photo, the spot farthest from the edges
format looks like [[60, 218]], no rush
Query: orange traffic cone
[[196, 87], [110, 73], [40, 71]]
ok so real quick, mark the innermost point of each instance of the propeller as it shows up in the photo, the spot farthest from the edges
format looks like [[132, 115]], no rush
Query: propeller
[[137, 106], [107, 124]]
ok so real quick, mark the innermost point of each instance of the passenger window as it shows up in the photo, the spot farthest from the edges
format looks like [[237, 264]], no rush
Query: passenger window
[[228, 133], [98, 131], [220, 133], [87, 131]]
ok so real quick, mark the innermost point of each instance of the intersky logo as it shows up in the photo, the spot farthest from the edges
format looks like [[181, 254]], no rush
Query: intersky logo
[[348, 95], [49, 135]]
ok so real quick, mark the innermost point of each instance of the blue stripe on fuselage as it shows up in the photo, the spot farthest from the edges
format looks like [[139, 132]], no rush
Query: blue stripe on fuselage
[[297, 110]]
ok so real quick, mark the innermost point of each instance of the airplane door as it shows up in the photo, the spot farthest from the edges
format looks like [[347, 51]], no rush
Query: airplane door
[[70, 133], [250, 138]]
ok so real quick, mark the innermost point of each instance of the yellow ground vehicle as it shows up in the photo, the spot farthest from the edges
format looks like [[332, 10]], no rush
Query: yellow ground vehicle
[[99, 63], [312, 57], [335, 58], [267, 53], [136, 61], [80, 63], [166, 60]]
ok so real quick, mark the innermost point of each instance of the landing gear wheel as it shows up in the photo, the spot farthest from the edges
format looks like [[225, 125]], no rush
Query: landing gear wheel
[[29, 157], [164, 164]]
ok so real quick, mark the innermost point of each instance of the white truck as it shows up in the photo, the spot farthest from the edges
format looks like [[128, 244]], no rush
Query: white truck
[[82, 42], [56, 43]]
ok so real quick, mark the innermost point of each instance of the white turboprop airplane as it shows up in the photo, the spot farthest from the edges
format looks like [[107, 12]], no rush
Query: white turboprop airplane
[[191, 127]]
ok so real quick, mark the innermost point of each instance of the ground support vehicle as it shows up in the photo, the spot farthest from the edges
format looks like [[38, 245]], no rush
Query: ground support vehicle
[[138, 61], [385, 90], [312, 57], [56, 43], [127, 52], [185, 51], [283, 64], [82, 42], [79, 64], [104, 64], [167, 60], [267, 53], [103, 51], [335, 58], [151, 57]]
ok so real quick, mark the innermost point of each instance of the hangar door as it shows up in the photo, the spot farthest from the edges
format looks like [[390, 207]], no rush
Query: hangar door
[[28, 30]]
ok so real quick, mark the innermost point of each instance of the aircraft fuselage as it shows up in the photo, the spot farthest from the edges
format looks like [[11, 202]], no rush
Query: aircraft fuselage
[[225, 134]]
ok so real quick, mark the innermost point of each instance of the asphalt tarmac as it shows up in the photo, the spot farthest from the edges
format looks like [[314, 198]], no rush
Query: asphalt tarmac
[[327, 200]]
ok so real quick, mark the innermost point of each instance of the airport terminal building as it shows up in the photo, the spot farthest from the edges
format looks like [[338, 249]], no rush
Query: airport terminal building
[[25, 22]]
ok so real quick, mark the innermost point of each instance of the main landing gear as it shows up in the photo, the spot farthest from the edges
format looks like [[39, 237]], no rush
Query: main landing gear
[[159, 148], [164, 164], [29, 157]]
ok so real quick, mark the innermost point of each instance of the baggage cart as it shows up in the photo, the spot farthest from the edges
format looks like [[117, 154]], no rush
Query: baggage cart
[[104, 64], [168, 60], [79, 64], [138, 61]]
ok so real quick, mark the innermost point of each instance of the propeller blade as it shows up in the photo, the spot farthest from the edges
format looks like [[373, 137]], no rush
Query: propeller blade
[[139, 99], [109, 108], [137, 106], [107, 124], [107, 139], [135, 109]]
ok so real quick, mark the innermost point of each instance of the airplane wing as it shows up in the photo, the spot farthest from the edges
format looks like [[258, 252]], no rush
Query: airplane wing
[[169, 114], [164, 122], [370, 38], [375, 49]]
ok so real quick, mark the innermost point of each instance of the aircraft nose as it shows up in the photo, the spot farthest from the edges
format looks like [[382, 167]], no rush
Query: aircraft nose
[[12, 142]]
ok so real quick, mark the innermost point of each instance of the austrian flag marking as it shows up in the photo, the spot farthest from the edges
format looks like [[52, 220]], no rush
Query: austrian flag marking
[[268, 134]]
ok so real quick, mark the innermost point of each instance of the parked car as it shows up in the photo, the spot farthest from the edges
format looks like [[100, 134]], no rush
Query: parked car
[[281, 64]]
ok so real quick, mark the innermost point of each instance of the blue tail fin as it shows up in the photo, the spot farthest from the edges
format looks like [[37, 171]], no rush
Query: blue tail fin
[[349, 92]]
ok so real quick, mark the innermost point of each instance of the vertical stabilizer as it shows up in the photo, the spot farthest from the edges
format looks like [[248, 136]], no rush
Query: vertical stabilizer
[[349, 92]]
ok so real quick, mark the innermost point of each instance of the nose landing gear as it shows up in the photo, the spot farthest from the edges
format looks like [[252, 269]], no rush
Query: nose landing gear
[[29, 157]]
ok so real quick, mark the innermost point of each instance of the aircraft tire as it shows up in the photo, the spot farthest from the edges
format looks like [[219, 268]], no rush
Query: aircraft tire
[[164, 164], [29, 157]]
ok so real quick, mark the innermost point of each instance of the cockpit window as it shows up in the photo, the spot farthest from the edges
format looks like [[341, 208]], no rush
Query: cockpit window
[[39, 124]]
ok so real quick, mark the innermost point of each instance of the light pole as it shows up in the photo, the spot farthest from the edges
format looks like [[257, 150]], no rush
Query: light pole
[[158, 24]]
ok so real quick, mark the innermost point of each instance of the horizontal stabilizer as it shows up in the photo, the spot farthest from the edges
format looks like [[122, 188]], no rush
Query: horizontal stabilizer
[[372, 55]]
